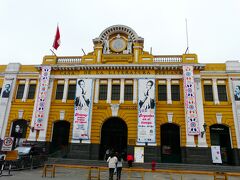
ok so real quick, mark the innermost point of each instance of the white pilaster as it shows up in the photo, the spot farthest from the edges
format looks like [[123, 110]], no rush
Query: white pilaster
[[169, 91], [199, 99], [65, 90], [136, 55], [96, 95], [122, 91], [109, 91], [42, 134], [99, 53], [134, 91], [26, 89], [215, 91]]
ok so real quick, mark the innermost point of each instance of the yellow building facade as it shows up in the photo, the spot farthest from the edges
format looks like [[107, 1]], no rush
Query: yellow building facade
[[171, 108]]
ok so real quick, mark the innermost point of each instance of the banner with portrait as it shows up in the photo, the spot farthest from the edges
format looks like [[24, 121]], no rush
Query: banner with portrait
[[190, 101], [82, 109], [42, 97], [146, 111], [7, 86], [236, 90]]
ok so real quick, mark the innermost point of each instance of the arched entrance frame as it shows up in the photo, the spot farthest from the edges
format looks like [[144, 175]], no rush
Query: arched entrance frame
[[180, 131], [125, 128]]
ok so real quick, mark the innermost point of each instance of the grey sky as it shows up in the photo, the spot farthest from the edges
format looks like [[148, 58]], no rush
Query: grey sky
[[27, 27]]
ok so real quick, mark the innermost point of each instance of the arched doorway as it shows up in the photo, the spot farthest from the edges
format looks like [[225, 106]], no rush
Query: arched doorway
[[19, 131], [60, 135], [220, 136], [170, 143], [113, 136]]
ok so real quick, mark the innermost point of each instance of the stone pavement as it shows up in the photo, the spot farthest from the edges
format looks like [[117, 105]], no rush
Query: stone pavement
[[82, 174]]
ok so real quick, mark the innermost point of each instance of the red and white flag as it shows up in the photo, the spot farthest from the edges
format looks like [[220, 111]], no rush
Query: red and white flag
[[57, 41]]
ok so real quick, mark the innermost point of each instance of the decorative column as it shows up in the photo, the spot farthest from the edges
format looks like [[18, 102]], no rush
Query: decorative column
[[169, 91], [26, 89], [96, 95], [215, 91], [109, 91], [201, 140], [134, 91], [122, 91], [65, 91]]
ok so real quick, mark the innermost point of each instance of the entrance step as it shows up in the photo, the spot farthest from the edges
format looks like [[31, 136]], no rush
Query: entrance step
[[173, 166]]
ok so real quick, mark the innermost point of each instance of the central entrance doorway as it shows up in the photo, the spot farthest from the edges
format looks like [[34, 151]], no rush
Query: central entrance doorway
[[170, 143], [60, 136], [113, 136]]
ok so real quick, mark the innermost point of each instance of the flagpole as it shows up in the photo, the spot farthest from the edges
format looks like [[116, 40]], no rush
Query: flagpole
[[53, 52]]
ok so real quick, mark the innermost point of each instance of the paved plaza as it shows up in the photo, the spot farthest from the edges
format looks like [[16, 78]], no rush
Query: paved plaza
[[82, 174]]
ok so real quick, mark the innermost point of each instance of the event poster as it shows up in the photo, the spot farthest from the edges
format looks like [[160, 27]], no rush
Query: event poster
[[42, 97], [139, 154], [6, 88], [216, 154], [82, 109], [146, 111], [190, 101], [236, 89]]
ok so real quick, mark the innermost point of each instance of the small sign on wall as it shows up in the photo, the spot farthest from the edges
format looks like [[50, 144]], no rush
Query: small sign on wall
[[7, 144], [139, 154], [216, 154]]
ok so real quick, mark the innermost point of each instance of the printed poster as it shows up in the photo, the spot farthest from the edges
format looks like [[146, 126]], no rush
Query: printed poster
[[139, 154], [216, 154], [82, 109], [146, 111]]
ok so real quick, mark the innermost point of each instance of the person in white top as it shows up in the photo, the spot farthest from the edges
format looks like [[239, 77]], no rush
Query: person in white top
[[119, 165], [112, 162]]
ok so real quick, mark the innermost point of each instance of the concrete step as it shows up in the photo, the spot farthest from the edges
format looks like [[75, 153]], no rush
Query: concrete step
[[172, 166]]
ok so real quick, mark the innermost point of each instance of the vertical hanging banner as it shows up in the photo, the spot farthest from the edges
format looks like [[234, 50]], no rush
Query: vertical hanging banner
[[236, 90], [146, 111], [6, 88], [42, 97], [82, 109], [190, 101]]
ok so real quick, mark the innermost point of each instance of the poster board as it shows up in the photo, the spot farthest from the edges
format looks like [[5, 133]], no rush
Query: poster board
[[139, 154], [216, 155]]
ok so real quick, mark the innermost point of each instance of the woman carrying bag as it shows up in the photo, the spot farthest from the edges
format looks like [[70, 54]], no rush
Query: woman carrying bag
[[112, 161]]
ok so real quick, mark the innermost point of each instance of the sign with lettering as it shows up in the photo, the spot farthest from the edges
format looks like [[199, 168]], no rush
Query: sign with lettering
[[82, 109], [7, 144], [146, 111]]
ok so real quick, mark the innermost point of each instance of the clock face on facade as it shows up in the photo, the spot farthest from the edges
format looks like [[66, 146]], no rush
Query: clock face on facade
[[118, 44]]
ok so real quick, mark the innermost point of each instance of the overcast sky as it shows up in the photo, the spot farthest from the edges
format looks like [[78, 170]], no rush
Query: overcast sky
[[27, 27]]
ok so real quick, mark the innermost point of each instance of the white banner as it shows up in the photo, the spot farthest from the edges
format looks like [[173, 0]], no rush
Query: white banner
[[236, 89], [146, 111], [82, 109], [42, 97], [216, 154], [6, 88]]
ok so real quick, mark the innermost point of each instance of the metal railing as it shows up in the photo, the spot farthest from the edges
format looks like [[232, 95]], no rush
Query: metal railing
[[69, 59], [167, 59]]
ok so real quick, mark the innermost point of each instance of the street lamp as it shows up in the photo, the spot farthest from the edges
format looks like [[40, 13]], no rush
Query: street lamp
[[204, 130]]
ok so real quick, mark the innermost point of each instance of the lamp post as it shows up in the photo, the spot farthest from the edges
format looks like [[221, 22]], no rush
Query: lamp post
[[204, 130]]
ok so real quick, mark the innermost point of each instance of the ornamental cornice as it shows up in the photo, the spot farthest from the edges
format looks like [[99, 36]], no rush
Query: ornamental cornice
[[122, 67]]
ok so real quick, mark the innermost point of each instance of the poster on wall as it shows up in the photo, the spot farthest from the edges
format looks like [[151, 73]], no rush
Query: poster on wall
[[190, 101], [146, 111], [216, 154], [6, 88], [82, 109], [139, 154], [236, 89], [42, 97]]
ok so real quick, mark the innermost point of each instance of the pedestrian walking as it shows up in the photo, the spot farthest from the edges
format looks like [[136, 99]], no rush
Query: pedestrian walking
[[119, 166], [112, 161], [130, 160]]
